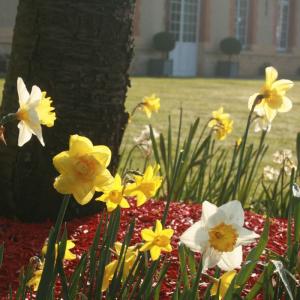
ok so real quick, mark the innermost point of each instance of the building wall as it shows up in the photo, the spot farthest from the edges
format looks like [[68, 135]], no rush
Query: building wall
[[152, 17], [8, 10], [217, 21]]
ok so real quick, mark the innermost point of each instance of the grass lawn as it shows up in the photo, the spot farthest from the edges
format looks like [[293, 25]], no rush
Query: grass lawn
[[199, 97]]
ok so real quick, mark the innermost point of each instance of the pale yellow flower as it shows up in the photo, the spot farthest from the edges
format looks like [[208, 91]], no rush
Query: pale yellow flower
[[224, 282], [145, 186], [110, 269], [68, 254], [34, 281], [114, 195], [273, 94], [83, 169], [157, 241], [221, 123], [150, 104]]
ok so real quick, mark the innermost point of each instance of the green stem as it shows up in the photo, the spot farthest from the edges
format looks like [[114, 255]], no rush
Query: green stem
[[243, 146], [8, 118]]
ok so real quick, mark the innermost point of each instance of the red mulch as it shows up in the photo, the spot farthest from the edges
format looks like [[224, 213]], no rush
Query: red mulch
[[23, 241]]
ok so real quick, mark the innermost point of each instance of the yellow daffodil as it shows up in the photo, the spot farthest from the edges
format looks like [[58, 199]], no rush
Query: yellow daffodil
[[157, 240], [34, 281], [68, 254], [224, 282], [145, 186], [150, 104], [113, 195], [45, 111], [219, 235], [34, 110], [110, 269], [273, 98], [83, 169], [221, 123]]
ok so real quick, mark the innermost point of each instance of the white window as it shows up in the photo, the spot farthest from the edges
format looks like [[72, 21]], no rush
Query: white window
[[282, 27], [241, 21], [183, 19]]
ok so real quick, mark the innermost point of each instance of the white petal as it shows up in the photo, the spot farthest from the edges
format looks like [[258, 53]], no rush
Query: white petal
[[286, 105], [216, 219], [210, 258], [35, 96], [251, 100], [25, 133], [208, 209], [246, 236], [195, 237], [22, 91], [35, 126], [231, 260], [234, 212]]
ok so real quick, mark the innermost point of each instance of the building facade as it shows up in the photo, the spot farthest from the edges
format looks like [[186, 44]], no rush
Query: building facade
[[269, 31]]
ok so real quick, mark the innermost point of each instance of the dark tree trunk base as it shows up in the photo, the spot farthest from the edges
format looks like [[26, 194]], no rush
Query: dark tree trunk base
[[79, 52]]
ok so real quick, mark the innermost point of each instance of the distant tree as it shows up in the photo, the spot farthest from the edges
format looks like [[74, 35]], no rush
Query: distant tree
[[230, 46], [79, 52]]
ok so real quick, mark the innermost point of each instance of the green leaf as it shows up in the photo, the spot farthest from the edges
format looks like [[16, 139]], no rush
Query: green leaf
[[1, 254], [253, 257]]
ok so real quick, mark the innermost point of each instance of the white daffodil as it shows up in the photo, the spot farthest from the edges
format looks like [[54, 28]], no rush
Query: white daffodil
[[144, 140], [261, 123], [27, 114], [219, 235]]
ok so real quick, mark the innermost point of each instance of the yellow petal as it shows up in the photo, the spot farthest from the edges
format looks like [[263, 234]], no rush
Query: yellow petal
[[83, 192], [108, 274], [102, 154], [168, 248], [124, 203], [270, 113], [286, 105], [282, 86], [158, 227], [111, 206], [271, 75], [62, 162], [140, 197], [148, 235], [251, 100], [64, 184], [103, 181], [155, 252], [146, 247], [80, 145], [168, 232]]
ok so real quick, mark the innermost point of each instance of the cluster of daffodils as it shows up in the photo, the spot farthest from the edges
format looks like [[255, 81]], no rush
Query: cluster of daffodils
[[156, 241], [284, 158], [83, 171], [221, 123], [37, 263]]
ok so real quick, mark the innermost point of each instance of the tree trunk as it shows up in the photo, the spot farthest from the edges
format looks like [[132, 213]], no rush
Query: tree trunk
[[78, 51]]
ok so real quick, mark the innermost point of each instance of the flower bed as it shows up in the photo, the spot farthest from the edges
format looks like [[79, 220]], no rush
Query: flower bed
[[23, 241]]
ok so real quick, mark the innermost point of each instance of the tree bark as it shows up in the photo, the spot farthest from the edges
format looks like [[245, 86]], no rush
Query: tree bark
[[79, 51]]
